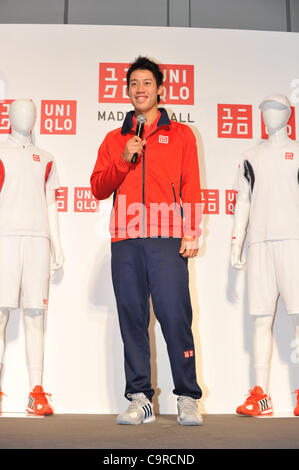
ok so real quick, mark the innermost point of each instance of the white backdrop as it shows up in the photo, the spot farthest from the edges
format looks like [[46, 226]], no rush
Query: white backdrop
[[83, 348]]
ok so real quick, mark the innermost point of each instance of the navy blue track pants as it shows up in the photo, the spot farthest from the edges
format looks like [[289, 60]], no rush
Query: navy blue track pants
[[153, 266]]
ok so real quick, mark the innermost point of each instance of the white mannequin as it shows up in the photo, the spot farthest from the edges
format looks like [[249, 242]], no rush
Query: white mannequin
[[276, 117], [22, 117]]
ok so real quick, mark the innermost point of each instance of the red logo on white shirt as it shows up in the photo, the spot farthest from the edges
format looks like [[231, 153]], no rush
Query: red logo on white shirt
[[163, 139], [35, 157], [289, 155]]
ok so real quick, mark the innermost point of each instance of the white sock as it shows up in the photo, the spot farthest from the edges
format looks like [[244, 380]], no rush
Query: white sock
[[35, 376]]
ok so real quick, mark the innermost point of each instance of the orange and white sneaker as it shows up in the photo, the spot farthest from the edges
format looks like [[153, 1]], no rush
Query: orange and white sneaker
[[257, 403], [296, 410], [38, 403]]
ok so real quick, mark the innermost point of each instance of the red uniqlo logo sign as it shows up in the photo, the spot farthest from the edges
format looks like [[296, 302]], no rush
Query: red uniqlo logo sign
[[210, 198], [188, 354], [230, 201], [291, 127], [61, 195], [5, 127], [235, 121], [178, 83], [84, 201], [58, 117], [289, 155], [35, 157]]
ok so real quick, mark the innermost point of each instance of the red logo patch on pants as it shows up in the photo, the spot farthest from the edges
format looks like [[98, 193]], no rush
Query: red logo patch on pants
[[188, 354]]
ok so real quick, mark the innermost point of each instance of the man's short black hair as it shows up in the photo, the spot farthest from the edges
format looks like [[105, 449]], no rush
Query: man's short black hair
[[143, 63]]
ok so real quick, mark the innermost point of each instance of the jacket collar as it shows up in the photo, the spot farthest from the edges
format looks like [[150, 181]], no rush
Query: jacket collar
[[128, 122]]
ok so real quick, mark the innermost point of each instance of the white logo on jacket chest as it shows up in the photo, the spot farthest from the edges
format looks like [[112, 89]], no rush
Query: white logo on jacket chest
[[163, 139]]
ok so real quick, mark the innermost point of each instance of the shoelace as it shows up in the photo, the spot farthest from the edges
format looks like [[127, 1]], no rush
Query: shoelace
[[41, 396], [253, 396], [136, 401], [187, 403]]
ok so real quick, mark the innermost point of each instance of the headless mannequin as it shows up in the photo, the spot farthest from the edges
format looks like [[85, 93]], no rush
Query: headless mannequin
[[22, 117], [276, 117]]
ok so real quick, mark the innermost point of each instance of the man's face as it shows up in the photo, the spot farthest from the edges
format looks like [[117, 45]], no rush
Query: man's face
[[143, 91]]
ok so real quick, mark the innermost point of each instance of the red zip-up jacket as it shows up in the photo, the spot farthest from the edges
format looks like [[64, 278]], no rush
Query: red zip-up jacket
[[160, 194]]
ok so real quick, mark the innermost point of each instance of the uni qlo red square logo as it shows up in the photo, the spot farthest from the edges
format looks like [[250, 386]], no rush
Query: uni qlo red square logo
[[112, 83], [61, 196], [291, 126], [58, 117], [210, 199], [230, 201], [35, 157], [84, 201], [235, 121], [178, 83], [5, 127], [289, 155]]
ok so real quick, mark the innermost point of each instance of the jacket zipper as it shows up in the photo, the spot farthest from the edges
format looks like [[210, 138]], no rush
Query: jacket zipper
[[175, 201], [143, 185], [143, 192]]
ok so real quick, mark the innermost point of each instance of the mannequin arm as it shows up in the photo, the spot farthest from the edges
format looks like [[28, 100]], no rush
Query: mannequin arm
[[241, 218], [56, 248]]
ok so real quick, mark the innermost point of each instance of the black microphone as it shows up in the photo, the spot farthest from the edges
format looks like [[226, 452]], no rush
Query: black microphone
[[141, 120]]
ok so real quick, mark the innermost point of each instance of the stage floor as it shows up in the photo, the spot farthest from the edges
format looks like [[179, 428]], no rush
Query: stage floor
[[101, 432]]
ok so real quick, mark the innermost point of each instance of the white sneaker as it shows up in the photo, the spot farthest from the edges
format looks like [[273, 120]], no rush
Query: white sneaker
[[188, 413], [139, 411]]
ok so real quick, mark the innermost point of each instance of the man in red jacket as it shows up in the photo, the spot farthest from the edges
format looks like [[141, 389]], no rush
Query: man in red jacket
[[154, 229]]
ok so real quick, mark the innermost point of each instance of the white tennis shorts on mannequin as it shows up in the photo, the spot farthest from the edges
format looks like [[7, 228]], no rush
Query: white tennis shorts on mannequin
[[24, 272], [273, 270]]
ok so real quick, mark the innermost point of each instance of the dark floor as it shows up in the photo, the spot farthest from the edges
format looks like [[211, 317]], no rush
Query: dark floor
[[102, 432]]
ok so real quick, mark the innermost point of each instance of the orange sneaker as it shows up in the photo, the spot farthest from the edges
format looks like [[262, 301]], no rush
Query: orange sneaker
[[257, 403], [296, 410], [38, 402], [1, 395]]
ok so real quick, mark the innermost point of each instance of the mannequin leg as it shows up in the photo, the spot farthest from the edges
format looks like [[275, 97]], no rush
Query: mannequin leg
[[34, 340], [263, 349], [4, 315], [295, 318], [295, 356]]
